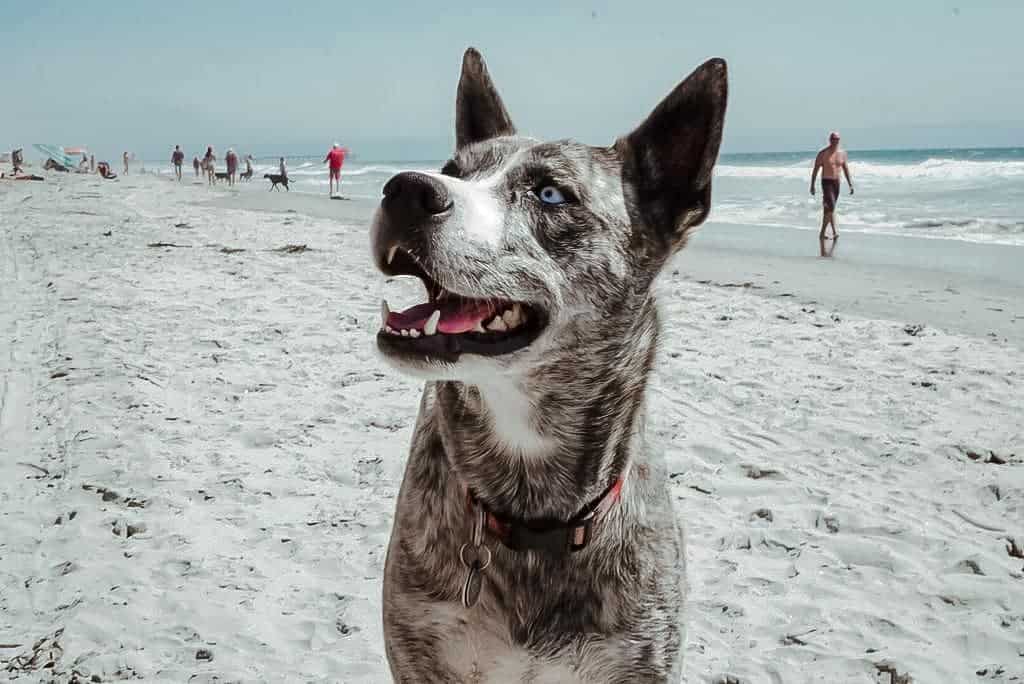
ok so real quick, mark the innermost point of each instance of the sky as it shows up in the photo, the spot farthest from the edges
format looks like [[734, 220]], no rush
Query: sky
[[380, 76]]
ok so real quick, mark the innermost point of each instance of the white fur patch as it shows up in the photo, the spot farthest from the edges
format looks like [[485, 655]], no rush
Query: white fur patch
[[479, 650], [510, 412], [481, 214], [483, 219]]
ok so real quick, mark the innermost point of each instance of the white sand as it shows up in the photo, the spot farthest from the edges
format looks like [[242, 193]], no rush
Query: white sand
[[230, 448]]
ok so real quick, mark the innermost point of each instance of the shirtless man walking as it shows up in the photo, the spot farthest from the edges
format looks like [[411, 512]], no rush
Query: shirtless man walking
[[831, 161]]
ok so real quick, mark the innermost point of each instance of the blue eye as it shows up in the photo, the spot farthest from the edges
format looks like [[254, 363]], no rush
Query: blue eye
[[549, 194]]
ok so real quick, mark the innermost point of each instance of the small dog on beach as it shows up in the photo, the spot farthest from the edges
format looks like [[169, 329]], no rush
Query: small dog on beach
[[535, 538], [221, 175], [245, 175], [277, 179]]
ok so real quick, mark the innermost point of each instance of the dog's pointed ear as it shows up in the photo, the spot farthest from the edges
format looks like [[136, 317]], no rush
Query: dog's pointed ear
[[479, 112], [667, 161]]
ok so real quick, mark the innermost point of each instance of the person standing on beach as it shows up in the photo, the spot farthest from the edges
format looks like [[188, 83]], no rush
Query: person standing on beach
[[831, 160], [231, 160], [248, 166], [282, 169], [177, 158], [335, 159], [17, 160], [210, 165], [124, 157], [195, 165]]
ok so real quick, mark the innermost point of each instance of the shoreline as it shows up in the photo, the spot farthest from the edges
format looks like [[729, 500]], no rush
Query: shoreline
[[970, 288], [957, 257], [314, 205]]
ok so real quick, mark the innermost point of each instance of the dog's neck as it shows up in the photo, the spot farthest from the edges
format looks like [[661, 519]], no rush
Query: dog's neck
[[541, 448], [511, 414]]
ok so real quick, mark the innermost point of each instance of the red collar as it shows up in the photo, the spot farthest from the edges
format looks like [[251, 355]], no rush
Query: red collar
[[549, 536]]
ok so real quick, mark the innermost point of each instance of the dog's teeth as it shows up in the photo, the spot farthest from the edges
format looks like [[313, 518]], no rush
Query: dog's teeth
[[515, 316], [384, 312], [431, 327], [497, 325], [511, 318], [405, 333], [414, 333], [390, 329], [479, 328], [391, 253]]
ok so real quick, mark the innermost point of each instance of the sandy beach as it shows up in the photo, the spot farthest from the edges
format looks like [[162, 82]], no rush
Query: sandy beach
[[200, 451]]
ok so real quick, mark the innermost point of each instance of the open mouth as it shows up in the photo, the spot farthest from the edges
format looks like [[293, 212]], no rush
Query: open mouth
[[449, 324]]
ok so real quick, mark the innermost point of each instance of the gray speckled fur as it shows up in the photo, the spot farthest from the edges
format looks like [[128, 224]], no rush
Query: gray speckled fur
[[542, 431]]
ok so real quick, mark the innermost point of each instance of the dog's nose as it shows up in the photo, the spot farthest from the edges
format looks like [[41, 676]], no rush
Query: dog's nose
[[411, 197]]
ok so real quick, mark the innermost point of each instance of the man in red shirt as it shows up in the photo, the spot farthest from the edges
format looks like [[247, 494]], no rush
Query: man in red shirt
[[335, 158]]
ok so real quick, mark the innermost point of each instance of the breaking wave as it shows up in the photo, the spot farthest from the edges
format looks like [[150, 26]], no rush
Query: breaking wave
[[936, 168]]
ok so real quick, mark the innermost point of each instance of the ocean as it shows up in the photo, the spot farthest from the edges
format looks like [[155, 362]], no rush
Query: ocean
[[957, 194], [966, 194]]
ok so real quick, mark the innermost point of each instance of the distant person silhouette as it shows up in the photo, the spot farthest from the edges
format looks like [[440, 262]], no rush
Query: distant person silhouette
[[177, 158], [231, 161], [210, 165]]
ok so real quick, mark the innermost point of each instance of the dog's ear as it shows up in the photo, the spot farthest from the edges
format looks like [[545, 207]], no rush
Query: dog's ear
[[479, 112], [667, 161]]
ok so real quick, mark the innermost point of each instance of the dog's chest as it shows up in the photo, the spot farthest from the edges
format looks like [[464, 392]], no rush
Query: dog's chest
[[478, 650]]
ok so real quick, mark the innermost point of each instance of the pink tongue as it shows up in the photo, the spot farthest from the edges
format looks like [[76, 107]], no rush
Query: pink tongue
[[457, 316]]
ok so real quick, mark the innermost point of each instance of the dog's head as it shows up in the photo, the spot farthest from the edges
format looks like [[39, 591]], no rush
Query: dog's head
[[527, 247]]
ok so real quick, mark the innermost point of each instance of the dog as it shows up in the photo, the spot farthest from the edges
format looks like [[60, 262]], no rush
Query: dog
[[277, 178], [534, 537], [245, 175], [221, 175]]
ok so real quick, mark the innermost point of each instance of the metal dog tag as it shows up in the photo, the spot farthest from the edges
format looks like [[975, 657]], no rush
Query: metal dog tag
[[474, 582], [476, 559]]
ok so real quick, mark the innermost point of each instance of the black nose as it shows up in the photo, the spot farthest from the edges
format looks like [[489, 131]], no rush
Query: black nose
[[411, 197]]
